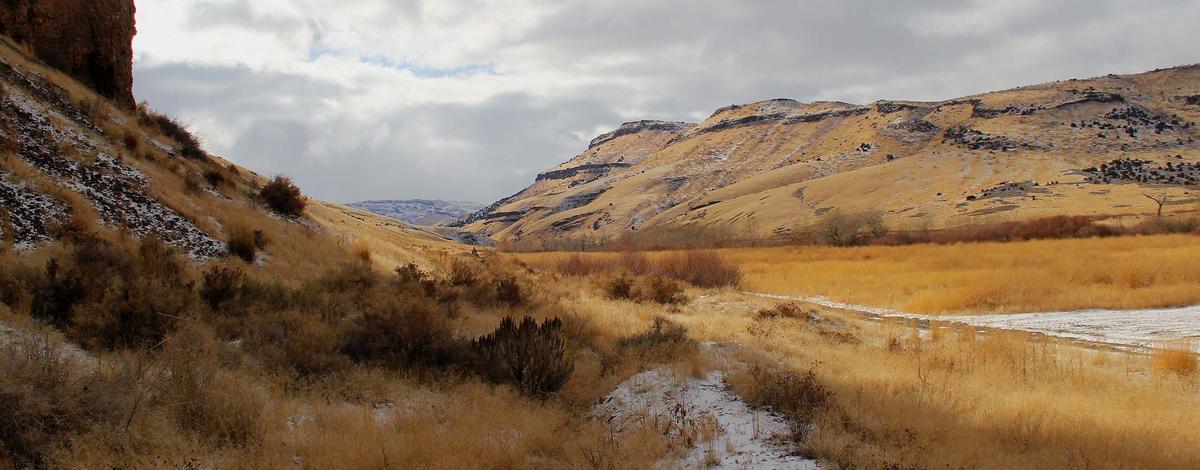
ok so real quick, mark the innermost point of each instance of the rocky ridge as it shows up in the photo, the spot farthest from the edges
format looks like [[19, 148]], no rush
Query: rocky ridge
[[737, 173]]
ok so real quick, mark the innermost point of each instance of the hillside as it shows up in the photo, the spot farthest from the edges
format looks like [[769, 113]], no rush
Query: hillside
[[74, 161], [773, 169], [420, 211]]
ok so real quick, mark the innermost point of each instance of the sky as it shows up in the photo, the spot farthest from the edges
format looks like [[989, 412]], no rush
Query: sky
[[469, 100]]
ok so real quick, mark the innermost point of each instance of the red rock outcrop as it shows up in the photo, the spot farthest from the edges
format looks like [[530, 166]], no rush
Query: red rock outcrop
[[92, 40]]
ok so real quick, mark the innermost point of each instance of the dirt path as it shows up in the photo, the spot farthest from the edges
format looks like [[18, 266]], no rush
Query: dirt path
[[1139, 328]]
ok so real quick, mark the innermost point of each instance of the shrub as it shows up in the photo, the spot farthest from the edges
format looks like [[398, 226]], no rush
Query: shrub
[[283, 196], [698, 268], [131, 141], [221, 284], [800, 396], [42, 402], [106, 295], [785, 310], [189, 145], [408, 331], [665, 341], [462, 274], [214, 178], [297, 341], [529, 356], [242, 243], [664, 291], [206, 400], [508, 292], [620, 288], [842, 229]]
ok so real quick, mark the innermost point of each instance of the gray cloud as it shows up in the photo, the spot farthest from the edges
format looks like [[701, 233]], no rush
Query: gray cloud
[[303, 100]]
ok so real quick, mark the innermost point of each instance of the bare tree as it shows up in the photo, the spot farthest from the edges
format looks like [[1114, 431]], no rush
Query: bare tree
[[861, 228], [1160, 200]]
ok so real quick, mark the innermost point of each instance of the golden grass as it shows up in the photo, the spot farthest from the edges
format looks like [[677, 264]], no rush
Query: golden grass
[[1119, 273], [962, 400], [1175, 357]]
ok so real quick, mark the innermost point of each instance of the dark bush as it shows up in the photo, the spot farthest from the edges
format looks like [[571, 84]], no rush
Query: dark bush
[[297, 341], [105, 295], [406, 332], [842, 229], [529, 356], [664, 291], [214, 178], [508, 292], [785, 310], [132, 142], [620, 288], [221, 284], [283, 196], [242, 244]]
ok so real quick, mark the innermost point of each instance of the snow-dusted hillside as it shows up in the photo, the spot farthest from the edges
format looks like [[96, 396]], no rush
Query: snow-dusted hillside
[[420, 211]]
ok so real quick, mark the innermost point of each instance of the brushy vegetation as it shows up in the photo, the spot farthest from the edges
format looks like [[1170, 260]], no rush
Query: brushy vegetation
[[646, 289], [189, 145], [528, 355], [798, 395], [243, 244], [701, 268], [664, 341], [1040, 275], [790, 310], [283, 196], [843, 229]]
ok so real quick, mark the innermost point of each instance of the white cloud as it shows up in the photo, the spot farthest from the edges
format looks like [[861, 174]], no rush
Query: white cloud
[[469, 99]]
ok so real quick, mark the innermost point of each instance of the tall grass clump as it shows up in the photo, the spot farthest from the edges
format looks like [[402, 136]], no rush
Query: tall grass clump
[[1176, 358]]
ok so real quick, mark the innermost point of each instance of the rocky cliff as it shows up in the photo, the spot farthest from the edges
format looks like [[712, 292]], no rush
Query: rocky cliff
[[91, 40]]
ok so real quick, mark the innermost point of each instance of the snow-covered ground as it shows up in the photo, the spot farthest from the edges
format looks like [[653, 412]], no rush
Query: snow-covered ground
[[1139, 328], [722, 430]]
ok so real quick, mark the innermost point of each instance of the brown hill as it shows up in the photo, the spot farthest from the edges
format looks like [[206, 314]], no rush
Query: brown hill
[[71, 162], [772, 169]]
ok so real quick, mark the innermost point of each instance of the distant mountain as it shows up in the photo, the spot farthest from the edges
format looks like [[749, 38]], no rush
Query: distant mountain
[[774, 169], [420, 211]]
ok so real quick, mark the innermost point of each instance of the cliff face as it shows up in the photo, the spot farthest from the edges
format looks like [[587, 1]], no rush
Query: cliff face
[[92, 40]]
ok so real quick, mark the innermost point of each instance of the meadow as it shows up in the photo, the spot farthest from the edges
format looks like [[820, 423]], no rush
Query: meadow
[[1028, 276]]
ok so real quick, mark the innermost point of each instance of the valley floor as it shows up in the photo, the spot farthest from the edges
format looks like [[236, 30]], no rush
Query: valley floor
[[1134, 328]]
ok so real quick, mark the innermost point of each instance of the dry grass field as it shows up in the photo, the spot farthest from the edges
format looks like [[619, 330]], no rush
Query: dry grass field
[[1041, 275]]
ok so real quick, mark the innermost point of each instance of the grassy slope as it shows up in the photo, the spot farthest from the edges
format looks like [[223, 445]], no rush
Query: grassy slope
[[749, 178]]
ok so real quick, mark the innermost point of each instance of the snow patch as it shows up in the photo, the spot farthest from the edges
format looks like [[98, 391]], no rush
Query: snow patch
[[1137, 329], [720, 429]]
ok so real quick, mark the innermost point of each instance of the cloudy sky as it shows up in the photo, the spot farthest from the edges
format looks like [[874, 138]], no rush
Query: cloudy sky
[[469, 100]]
